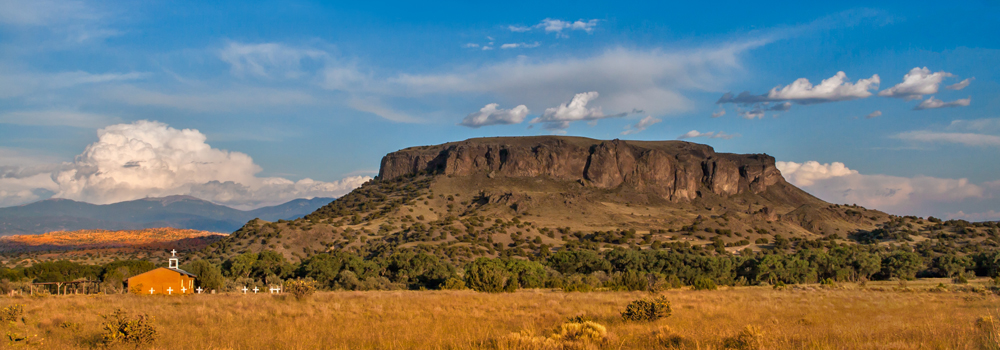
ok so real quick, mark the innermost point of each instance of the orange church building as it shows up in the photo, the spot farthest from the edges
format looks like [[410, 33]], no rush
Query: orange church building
[[164, 280]]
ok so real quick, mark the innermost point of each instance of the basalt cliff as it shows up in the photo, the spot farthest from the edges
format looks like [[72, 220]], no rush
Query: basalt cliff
[[673, 170]]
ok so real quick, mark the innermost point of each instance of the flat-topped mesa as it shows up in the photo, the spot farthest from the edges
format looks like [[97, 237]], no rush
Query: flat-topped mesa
[[674, 170]]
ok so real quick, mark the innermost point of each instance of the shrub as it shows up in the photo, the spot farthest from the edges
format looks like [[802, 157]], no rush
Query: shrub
[[489, 275], [989, 333], [453, 283], [704, 283], [11, 313], [647, 310], [587, 331], [301, 289], [750, 338], [671, 340], [122, 328], [572, 335]]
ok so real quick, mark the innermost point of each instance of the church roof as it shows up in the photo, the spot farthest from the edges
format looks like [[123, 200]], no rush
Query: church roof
[[182, 271]]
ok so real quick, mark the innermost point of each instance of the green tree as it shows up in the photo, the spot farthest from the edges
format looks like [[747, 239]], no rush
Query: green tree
[[489, 275], [208, 276]]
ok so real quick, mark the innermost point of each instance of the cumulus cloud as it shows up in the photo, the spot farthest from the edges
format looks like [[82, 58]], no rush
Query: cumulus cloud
[[719, 113], [641, 125], [806, 174], [801, 91], [710, 134], [967, 139], [874, 114], [557, 26], [520, 45], [151, 159], [491, 115], [575, 110], [960, 85], [919, 195], [267, 60], [933, 103], [917, 83]]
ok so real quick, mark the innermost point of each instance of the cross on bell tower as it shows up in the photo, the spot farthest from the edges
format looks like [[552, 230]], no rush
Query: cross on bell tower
[[173, 259]]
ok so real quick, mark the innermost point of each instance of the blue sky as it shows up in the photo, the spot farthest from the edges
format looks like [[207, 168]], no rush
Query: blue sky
[[109, 101]]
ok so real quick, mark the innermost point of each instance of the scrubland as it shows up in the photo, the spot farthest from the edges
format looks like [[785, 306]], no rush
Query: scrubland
[[879, 315]]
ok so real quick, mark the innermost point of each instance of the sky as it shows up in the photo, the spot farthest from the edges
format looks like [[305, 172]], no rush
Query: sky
[[893, 106]]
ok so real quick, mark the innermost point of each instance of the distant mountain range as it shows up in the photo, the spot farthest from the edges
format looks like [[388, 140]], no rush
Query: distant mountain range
[[183, 212]]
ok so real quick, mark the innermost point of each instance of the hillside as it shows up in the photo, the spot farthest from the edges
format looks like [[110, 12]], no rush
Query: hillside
[[529, 196], [182, 212]]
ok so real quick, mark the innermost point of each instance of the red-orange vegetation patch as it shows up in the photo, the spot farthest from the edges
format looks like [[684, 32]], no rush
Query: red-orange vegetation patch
[[94, 239]]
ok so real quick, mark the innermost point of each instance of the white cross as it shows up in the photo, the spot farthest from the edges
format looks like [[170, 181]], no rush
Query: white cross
[[244, 289], [151, 290], [169, 290], [184, 289], [255, 290], [199, 290], [173, 252]]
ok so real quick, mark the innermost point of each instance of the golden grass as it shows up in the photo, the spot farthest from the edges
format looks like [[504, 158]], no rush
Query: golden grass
[[807, 317]]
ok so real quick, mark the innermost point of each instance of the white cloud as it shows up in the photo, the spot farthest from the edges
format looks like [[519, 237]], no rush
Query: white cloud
[[960, 85], [14, 84], [932, 103], [968, 139], [719, 113], [77, 21], [520, 45], [151, 159], [491, 115], [487, 48], [646, 80], [710, 134], [641, 125], [917, 83], [874, 114], [835, 183], [57, 118], [238, 99], [806, 174], [990, 125], [471, 45], [575, 110], [835, 88], [557, 26], [267, 60], [991, 215]]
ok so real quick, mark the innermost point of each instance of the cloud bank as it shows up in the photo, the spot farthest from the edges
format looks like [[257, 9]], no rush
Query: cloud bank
[[920, 195], [151, 159]]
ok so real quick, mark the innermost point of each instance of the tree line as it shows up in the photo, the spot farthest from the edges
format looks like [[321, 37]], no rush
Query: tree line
[[568, 269]]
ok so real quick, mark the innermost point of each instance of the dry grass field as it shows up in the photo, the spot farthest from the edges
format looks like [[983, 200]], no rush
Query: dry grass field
[[877, 316]]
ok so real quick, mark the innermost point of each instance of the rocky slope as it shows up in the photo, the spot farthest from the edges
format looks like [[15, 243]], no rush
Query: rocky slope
[[530, 195]]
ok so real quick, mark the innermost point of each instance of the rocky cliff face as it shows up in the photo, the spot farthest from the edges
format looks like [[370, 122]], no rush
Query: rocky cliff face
[[674, 170]]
